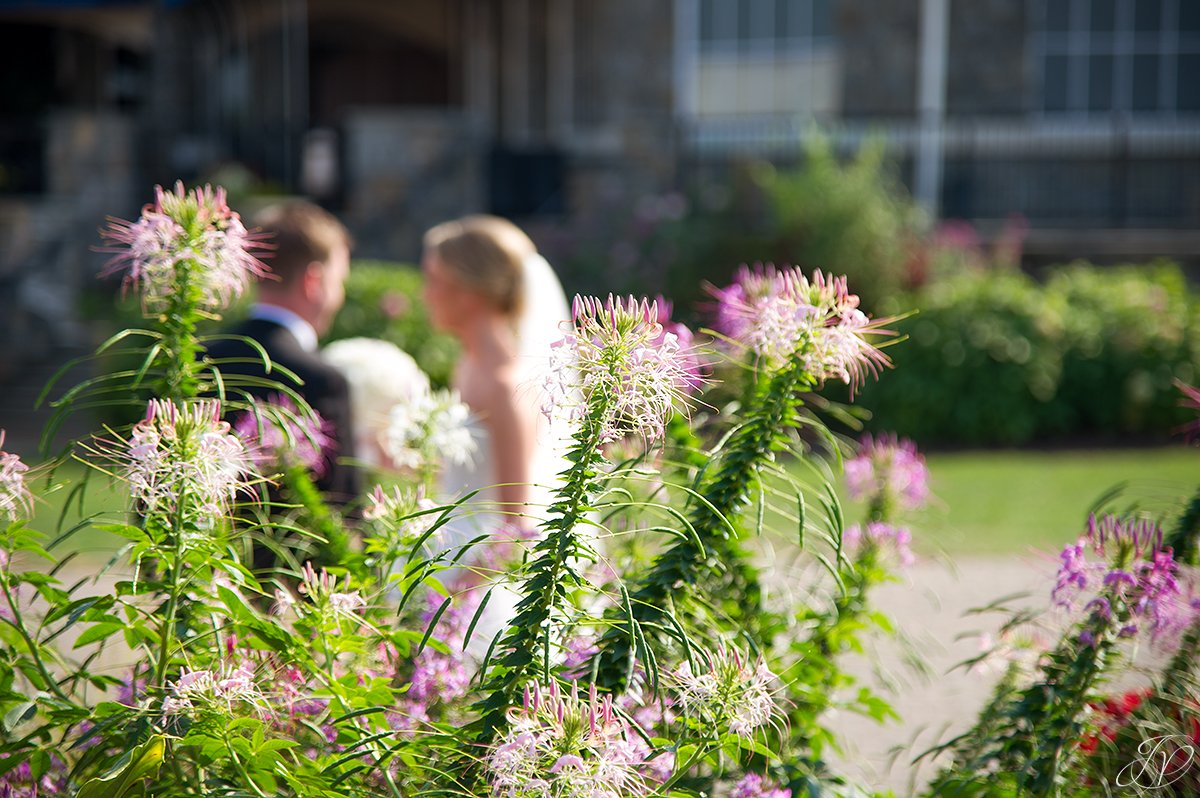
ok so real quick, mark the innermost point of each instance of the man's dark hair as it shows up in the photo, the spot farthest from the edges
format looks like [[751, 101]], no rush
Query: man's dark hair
[[299, 233]]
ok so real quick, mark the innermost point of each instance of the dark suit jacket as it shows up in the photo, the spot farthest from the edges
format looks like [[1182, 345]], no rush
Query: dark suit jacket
[[321, 385]]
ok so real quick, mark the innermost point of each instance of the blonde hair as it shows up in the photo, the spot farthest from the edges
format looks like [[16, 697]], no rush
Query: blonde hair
[[487, 254]]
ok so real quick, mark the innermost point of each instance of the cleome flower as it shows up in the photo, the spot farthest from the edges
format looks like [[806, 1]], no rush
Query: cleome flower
[[778, 314], [430, 428], [183, 453], [321, 588], [563, 746], [728, 693], [618, 360], [184, 238], [882, 535], [277, 435], [752, 785], [886, 468], [221, 691], [16, 502], [1135, 582]]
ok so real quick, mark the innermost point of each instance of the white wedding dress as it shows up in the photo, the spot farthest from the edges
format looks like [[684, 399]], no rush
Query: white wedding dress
[[478, 518]]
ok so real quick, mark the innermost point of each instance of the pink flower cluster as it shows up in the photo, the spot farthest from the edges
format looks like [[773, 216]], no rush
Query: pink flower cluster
[[322, 589], [21, 783], [881, 535], [15, 500], [752, 785], [222, 691], [887, 467], [780, 314], [729, 692], [619, 353], [563, 746], [193, 235], [277, 435], [184, 451], [1137, 571]]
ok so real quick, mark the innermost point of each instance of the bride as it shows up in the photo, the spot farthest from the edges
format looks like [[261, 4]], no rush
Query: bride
[[486, 285]]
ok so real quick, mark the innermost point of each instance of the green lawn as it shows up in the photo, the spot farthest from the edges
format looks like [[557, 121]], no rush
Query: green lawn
[[984, 502], [1003, 502]]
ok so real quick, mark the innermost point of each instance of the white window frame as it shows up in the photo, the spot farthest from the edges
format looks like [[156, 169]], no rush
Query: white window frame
[[1078, 44]]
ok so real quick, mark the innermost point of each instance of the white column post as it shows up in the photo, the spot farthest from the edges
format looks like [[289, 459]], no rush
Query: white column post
[[687, 45], [931, 102]]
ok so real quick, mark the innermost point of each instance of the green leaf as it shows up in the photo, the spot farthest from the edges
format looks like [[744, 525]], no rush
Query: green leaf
[[100, 631], [142, 763], [19, 714]]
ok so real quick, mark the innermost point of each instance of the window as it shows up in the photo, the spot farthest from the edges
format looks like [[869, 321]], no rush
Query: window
[[765, 25], [764, 57], [1100, 56]]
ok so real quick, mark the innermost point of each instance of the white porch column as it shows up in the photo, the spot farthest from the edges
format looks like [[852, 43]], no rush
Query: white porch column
[[931, 102], [687, 62]]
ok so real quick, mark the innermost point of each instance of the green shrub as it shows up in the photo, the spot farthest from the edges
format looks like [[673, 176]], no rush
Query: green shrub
[[982, 359], [994, 357], [1130, 331], [383, 300]]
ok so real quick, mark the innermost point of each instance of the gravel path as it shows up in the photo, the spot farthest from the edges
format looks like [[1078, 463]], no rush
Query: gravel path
[[929, 608]]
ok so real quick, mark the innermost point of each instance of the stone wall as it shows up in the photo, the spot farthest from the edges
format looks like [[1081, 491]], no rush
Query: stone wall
[[988, 64], [880, 58]]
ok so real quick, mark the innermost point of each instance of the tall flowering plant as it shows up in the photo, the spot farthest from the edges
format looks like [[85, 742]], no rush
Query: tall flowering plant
[[1118, 582], [795, 333], [363, 675]]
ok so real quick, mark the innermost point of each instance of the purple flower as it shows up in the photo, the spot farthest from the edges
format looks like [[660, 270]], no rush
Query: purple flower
[[277, 435], [781, 314], [179, 452], [565, 745], [886, 467], [221, 691], [752, 785], [882, 535], [618, 361], [16, 502], [1138, 587], [184, 239], [20, 782], [693, 366]]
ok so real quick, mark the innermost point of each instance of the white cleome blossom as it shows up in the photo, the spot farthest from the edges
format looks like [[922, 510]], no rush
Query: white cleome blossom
[[432, 429], [728, 692], [381, 376]]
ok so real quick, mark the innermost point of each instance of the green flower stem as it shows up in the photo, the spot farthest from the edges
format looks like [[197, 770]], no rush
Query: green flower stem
[[678, 570], [167, 630], [18, 623], [1032, 736], [550, 578], [180, 345], [335, 550]]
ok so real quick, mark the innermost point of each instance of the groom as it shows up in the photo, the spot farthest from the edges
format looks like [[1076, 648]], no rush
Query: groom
[[296, 305]]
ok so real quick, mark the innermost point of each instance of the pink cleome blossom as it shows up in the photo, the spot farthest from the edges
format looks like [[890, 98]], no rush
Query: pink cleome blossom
[[882, 535], [781, 314], [1135, 570], [277, 435], [561, 745], [887, 466], [617, 356], [16, 502], [184, 238], [180, 451], [752, 785]]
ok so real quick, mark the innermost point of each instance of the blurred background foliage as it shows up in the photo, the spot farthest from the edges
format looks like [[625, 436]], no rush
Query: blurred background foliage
[[1077, 354]]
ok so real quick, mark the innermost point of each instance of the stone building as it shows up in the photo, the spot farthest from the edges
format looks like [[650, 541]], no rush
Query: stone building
[[1081, 115]]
